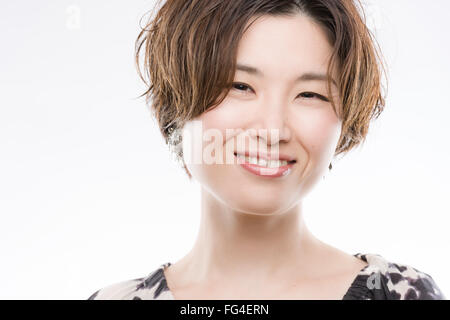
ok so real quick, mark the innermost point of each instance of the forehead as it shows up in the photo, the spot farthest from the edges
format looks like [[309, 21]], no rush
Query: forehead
[[283, 46]]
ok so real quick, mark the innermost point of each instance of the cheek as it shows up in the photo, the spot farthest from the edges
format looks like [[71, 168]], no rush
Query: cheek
[[318, 131], [228, 116], [224, 116]]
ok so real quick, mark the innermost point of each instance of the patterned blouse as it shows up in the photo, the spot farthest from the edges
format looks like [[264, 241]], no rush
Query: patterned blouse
[[378, 280]]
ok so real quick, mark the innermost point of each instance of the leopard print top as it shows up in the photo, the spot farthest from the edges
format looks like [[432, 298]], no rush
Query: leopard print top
[[378, 280]]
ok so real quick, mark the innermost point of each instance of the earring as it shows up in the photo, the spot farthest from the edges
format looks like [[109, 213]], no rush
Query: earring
[[175, 144], [330, 166]]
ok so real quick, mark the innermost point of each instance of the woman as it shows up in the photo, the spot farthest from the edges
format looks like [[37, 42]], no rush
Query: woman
[[276, 90]]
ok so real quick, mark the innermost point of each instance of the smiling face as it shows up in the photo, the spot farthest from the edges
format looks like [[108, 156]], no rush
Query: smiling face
[[277, 89]]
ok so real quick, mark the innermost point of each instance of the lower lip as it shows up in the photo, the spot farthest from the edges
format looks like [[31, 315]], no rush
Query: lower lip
[[265, 171]]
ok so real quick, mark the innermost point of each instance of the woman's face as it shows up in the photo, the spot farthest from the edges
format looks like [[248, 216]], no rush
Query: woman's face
[[275, 106]]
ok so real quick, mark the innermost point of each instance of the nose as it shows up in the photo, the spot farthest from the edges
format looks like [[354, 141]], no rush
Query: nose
[[272, 125]]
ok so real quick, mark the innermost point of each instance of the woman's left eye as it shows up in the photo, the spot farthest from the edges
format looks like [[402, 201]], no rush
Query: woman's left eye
[[309, 94]]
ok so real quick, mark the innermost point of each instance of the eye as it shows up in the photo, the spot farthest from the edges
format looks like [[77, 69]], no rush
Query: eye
[[240, 86], [310, 95]]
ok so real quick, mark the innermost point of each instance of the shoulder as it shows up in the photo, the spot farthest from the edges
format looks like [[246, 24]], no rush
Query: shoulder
[[151, 287], [398, 281]]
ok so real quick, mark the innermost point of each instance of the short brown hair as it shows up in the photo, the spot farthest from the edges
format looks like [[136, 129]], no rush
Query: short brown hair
[[190, 50]]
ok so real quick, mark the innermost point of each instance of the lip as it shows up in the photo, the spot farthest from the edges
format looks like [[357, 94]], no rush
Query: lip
[[264, 171], [266, 156]]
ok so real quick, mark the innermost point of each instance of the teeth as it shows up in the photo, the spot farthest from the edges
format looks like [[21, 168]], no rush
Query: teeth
[[275, 163], [264, 162]]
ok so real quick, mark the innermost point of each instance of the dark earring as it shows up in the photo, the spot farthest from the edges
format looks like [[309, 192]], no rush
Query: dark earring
[[330, 166]]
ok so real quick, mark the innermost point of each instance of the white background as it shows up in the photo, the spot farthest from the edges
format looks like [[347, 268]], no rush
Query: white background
[[89, 195]]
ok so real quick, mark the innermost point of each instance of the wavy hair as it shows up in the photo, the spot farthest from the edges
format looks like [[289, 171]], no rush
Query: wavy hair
[[186, 56]]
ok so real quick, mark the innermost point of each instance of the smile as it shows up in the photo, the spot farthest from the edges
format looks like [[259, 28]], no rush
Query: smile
[[265, 168]]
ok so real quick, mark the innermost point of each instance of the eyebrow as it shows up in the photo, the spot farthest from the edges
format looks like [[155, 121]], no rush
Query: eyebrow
[[308, 76]]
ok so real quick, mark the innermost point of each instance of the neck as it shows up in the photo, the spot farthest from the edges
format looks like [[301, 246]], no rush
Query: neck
[[231, 243]]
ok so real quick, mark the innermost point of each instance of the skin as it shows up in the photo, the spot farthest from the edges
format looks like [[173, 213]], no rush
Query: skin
[[253, 242]]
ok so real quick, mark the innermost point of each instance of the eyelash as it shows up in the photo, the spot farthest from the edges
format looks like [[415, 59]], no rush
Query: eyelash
[[313, 93]]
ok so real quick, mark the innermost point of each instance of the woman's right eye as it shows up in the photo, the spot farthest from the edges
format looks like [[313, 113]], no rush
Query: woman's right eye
[[240, 86]]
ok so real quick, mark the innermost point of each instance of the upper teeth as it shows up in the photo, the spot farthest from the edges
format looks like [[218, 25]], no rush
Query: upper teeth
[[263, 162]]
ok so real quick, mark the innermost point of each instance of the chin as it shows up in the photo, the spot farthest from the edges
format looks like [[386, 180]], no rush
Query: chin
[[259, 203], [259, 209]]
